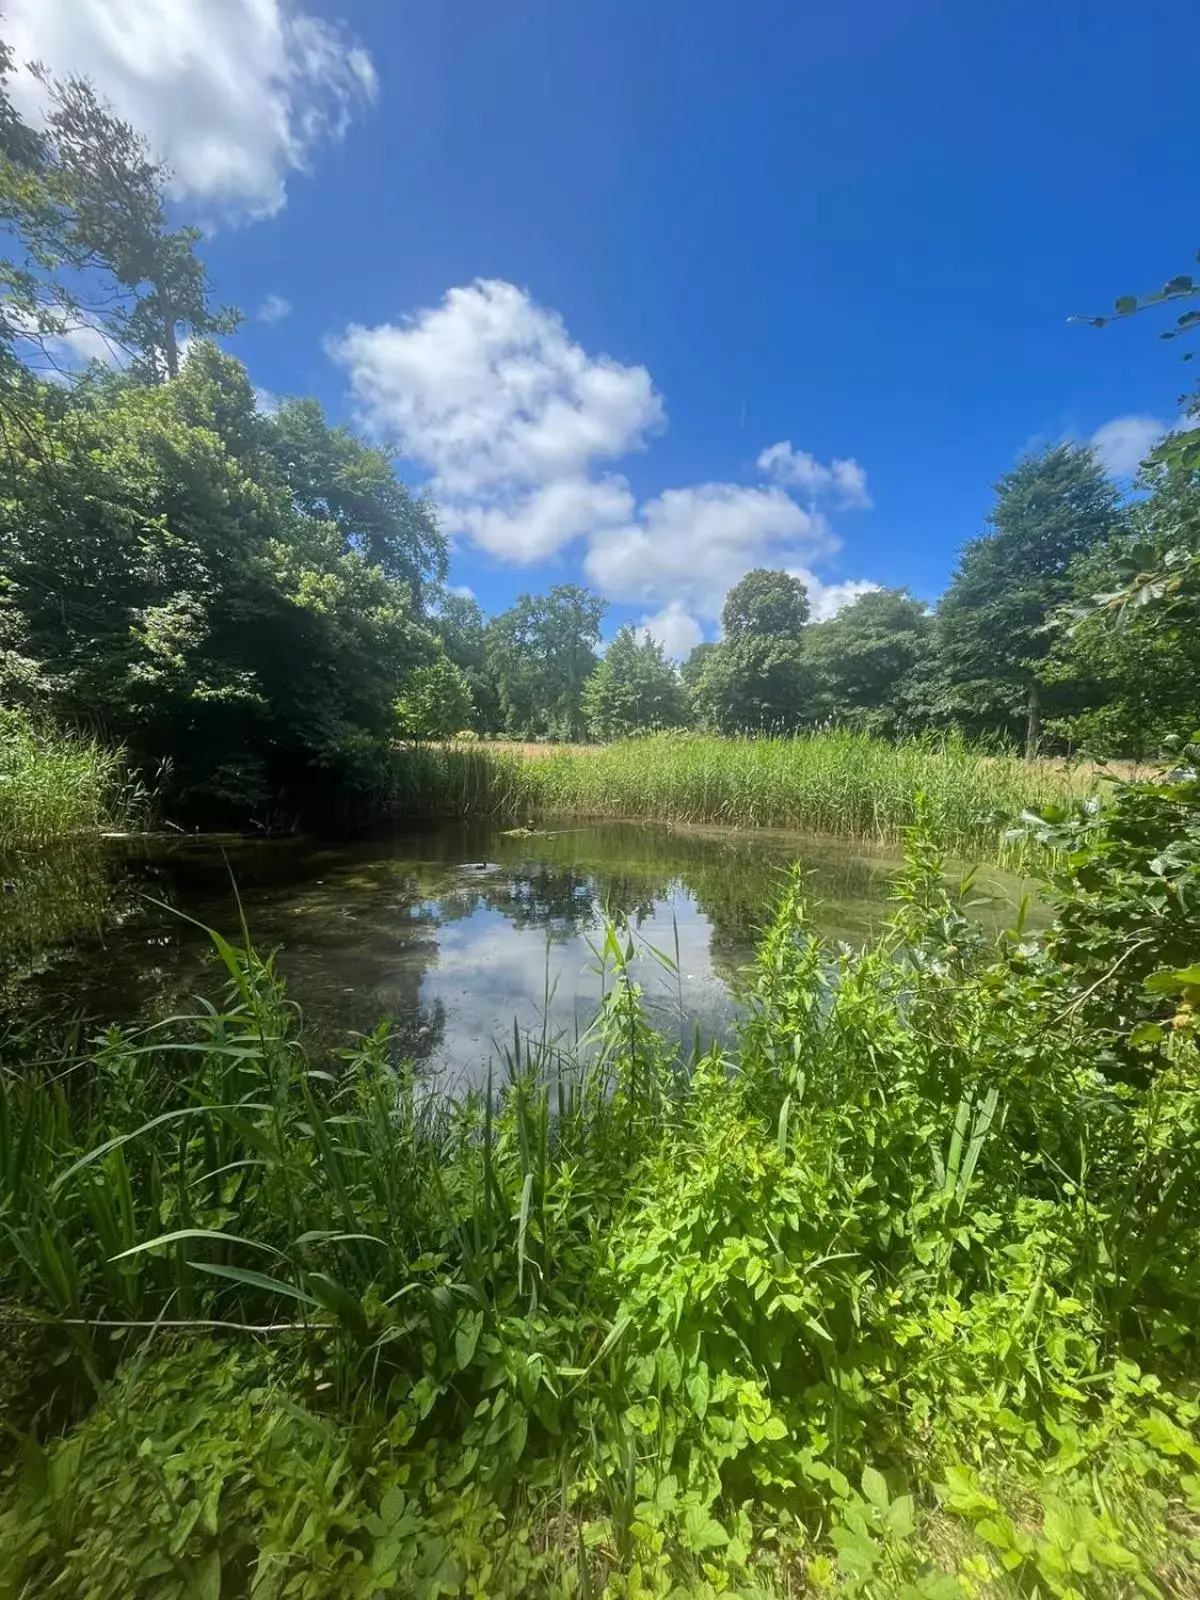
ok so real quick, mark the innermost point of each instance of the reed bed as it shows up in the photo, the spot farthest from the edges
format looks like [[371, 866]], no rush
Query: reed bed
[[842, 784], [56, 785]]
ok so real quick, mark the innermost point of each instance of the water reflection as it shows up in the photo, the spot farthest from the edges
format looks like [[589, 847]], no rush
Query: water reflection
[[452, 933]]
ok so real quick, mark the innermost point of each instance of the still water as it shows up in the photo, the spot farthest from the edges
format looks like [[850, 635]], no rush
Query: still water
[[453, 933]]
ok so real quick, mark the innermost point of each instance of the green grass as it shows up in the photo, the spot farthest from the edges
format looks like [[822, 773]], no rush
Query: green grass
[[56, 786], [896, 1300], [841, 784]]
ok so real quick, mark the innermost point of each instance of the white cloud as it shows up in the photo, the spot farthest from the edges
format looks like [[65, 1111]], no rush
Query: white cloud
[[693, 544], [521, 430], [1125, 442], [266, 400], [827, 599], [674, 628], [234, 94], [490, 392], [531, 527], [274, 308], [843, 481], [464, 591]]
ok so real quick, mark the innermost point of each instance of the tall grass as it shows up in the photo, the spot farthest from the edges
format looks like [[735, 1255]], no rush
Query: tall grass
[[56, 785], [842, 784]]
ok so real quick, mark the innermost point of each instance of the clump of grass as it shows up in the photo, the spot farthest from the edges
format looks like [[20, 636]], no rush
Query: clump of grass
[[56, 786], [449, 780], [840, 783]]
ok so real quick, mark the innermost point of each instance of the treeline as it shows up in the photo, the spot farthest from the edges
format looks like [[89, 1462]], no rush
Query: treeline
[[249, 600]]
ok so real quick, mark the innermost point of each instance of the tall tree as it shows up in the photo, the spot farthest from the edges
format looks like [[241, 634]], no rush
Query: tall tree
[[864, 659], [461, 625], [634, 689], [757, 679], [993, 629], [541, 652], [333, 475]]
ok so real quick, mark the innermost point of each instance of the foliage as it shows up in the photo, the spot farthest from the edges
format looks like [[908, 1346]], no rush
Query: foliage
[[53, 786], [435, 702], [758, 680], [634, 689], [865, 658], [993, 631], [897, 1299], [540, 653], [462, 628], [158, 581], [765, 605], [840, 783]]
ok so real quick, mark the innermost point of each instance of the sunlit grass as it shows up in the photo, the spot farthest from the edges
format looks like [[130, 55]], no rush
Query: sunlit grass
[[845, 785], [55, 785]]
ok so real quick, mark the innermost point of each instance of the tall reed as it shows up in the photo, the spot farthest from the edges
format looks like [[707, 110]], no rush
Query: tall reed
[[839, 783], [55, 785]]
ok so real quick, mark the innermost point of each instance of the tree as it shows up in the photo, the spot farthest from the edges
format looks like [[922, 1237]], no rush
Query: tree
[[757, 679], [765, 605], [540, 653], [634, 689], [1130, 644], [461, 625], [155, 584], [993, 630], [86, 202], [336, 477], [435, 702], [864, 659]]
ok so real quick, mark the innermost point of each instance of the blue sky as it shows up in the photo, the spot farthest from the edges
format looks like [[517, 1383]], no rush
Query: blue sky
[[594, 265]]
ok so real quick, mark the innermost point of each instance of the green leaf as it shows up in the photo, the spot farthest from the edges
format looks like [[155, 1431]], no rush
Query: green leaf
[[195, 1233], [701, 1531], [466, 1337], [874, 1487], [255, 1280], [1126, 304]]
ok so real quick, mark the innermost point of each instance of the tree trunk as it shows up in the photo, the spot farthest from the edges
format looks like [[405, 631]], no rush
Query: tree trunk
[[1033, 724], [170, 346]]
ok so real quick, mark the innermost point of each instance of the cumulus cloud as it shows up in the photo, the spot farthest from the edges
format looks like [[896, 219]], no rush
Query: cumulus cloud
[[1125, 442], [693, 544], [274, 308], [522, 431], [489, 390], [234, 94], [674, 628], [841, 482], [827, 599]]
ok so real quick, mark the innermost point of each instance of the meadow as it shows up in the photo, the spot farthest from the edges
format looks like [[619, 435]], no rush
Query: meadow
[[895, 1298]]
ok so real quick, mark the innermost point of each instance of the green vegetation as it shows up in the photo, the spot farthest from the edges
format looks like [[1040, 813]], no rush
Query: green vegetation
[[844, 784], [53, 787], [897, 1300]]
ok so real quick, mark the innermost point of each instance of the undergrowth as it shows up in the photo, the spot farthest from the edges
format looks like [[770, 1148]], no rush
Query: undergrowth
[[897, 1300]]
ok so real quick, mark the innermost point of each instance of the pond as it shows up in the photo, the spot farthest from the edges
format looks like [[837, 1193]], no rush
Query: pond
[[454, 933]]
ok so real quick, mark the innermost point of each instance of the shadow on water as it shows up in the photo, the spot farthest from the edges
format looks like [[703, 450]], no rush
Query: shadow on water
[[451, 932]]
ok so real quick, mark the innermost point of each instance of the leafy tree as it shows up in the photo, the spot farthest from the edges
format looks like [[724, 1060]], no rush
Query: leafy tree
[[540, 653], [993, 629], [155, 584], [757, 680], [865, 656], [462, 627], [765, 605], [435, 702], [333, 476], [85, 201], [634, 689], [1131, 648]]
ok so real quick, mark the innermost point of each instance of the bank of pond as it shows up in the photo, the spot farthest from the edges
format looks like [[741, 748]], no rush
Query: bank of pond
[[544, 1205]]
